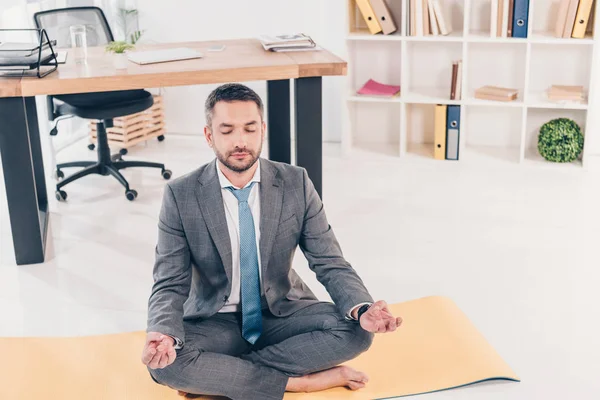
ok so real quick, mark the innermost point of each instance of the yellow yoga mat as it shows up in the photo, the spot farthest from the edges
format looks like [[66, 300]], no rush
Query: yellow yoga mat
[[436, 348]]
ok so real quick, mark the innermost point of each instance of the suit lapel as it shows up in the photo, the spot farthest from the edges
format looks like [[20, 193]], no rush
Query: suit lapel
[[271, 199], [210, 200]]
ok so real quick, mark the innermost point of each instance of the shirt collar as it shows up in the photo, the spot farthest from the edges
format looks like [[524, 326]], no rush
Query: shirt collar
[[225, 182]]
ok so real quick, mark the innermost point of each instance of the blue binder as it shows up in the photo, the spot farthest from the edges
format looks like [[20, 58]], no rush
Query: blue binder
[[452, 132], [519, 22]]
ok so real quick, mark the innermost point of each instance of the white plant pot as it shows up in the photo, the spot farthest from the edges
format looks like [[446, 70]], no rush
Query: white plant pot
[[120, 60]]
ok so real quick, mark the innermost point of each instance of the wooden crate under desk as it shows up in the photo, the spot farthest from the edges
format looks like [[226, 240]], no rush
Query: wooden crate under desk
[[135, 128]]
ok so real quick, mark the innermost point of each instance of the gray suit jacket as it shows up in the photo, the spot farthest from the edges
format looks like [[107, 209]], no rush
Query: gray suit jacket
[[192, 272]]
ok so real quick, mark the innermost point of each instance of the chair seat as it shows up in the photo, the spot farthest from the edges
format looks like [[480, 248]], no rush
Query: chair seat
[[105, 105]]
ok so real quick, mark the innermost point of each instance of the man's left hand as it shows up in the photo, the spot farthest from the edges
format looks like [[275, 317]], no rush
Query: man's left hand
[[379, 319]]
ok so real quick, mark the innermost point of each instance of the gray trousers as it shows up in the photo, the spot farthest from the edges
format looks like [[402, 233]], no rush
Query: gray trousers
[[216, 360]]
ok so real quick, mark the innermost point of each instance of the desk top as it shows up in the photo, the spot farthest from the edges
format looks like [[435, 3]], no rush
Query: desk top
[[242, 60]]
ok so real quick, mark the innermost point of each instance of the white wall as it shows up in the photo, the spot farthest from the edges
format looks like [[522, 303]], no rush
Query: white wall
[[191, 20]]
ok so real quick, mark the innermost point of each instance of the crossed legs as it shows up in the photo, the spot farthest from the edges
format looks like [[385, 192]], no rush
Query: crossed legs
[[216, 360]]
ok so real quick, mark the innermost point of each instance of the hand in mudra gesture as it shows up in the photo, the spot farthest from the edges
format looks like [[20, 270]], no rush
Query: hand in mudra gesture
[[379, 319], [158, 351]]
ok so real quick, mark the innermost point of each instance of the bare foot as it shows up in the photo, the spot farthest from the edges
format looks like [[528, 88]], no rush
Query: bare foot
[[334, 377]]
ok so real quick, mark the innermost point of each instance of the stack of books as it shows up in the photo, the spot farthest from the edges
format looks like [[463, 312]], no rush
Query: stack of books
[[566, 93], [427, 17], [496, 93], [572, 18], [293, 42], [456, 83], [374, 88], [509, 18]]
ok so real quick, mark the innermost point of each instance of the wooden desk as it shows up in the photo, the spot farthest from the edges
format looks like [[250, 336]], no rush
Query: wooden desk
[[242, 60]]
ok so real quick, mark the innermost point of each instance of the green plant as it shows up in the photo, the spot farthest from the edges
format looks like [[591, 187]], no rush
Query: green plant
[[119, 47], [135, 36], [560, 140], [128, 22]]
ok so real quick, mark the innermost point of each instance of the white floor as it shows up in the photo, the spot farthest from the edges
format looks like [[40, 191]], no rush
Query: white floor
[[516, 247]]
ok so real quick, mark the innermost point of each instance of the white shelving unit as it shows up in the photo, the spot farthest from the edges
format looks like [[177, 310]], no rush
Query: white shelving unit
[[422, 66]]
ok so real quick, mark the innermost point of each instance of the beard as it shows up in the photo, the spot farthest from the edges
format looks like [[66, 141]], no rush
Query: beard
[[238, 165]]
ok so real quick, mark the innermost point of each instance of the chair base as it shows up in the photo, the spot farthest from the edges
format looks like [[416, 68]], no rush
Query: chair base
[[106, 165], [104, 168]]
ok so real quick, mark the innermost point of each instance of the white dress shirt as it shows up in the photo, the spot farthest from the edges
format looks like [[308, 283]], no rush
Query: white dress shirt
[[233, 224]]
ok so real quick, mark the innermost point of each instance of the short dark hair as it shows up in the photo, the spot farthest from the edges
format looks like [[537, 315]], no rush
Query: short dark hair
[[231, 92]]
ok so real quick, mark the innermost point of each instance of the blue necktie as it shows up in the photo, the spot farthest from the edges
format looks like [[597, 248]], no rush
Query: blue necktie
[[251, 311]]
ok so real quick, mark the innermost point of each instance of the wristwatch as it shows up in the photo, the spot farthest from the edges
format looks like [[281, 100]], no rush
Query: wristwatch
[[363, 309]]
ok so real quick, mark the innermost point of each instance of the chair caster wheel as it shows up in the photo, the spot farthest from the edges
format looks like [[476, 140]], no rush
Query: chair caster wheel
[[166, 173], [61, 195], [123, 151], [131, 195], [59, 174], [161, 138], [116, 157], [91, 146]]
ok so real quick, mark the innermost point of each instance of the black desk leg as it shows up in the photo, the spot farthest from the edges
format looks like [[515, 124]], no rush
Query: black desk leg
[[309, 128], [23, 167], [278, 124]]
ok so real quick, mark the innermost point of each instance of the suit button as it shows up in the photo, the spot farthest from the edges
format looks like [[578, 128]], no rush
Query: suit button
[[225, 298]]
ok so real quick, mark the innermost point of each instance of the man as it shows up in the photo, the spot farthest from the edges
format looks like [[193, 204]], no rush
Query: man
[[228, 315]]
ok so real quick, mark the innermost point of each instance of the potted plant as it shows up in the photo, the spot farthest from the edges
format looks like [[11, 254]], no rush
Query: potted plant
[[119, 48]]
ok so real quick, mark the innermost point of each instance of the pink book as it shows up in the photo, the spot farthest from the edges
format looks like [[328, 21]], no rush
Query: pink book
[[378, 89]]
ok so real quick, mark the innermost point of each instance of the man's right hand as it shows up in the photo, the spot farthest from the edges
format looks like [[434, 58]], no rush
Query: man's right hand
[[158, 351]]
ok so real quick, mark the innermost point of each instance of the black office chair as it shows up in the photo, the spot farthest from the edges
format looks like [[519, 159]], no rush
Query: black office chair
[[101, 106]]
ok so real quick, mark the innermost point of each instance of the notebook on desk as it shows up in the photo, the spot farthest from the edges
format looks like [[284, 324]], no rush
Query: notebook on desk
[[163, 55]]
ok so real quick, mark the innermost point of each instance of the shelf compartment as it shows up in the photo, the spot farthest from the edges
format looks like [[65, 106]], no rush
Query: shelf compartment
[[480, 23], [493, 132], [544, 17], [499, 65], [538, 117], [375, 126], [380, 61], [429, 72], [420, 129], [551, 66]]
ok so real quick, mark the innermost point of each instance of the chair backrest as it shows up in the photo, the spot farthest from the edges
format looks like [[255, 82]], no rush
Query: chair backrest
[[57, 23]]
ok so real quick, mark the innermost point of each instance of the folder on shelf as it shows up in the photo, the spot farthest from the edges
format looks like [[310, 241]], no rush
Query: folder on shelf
[[581, 19], [439, 134], [452, 132], [570, 19], [369, 15], [520, 13], [384, 17]]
